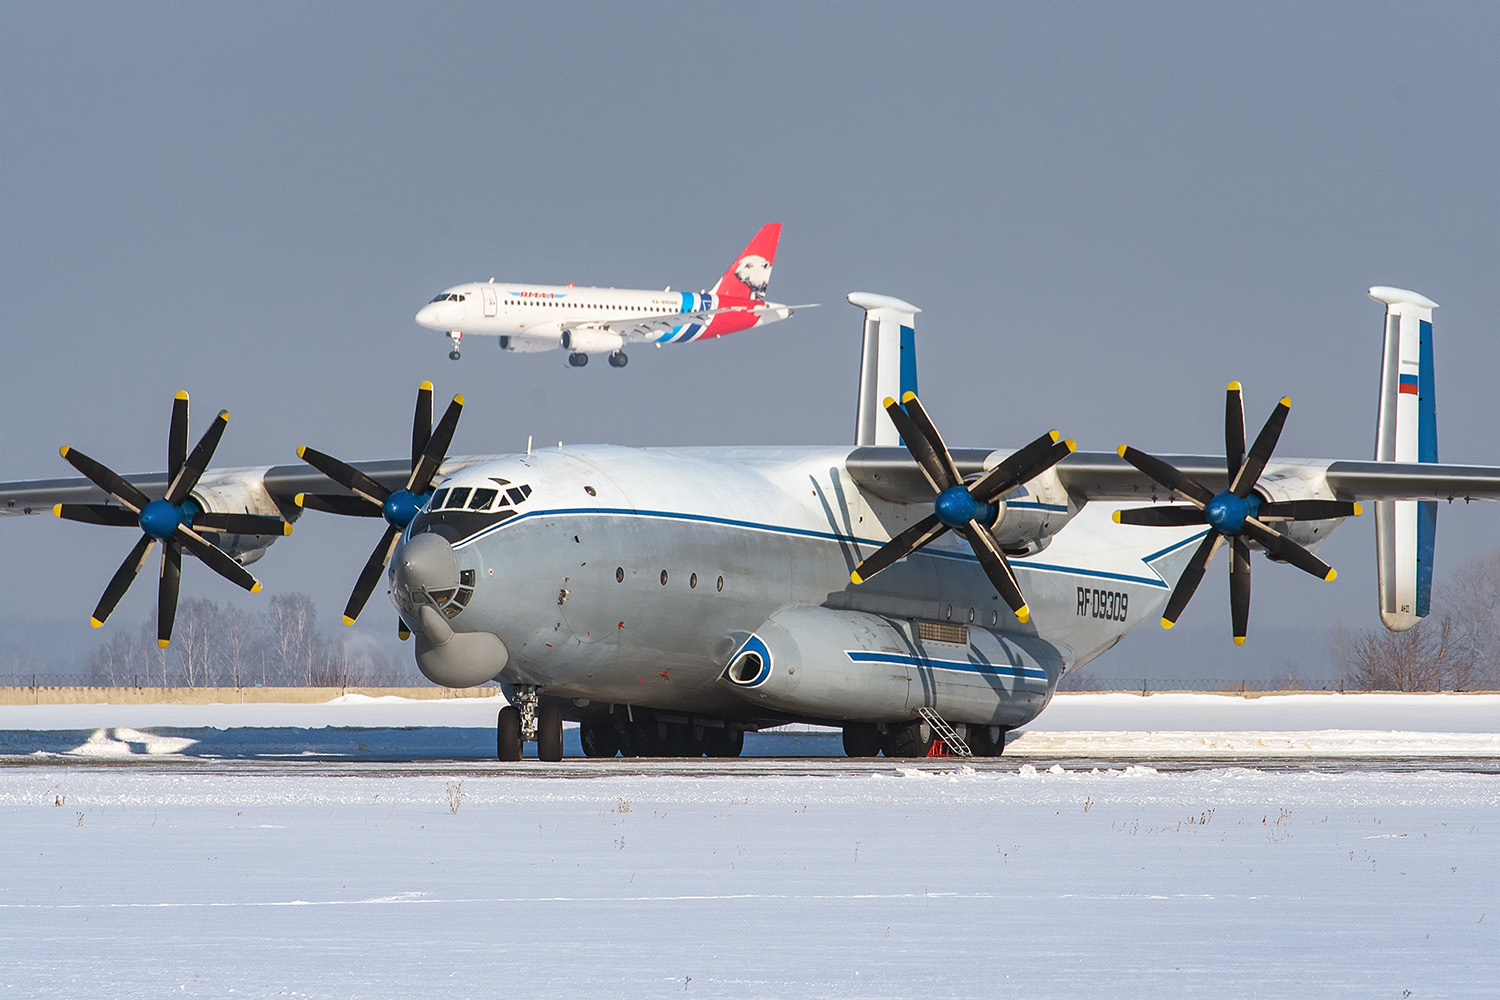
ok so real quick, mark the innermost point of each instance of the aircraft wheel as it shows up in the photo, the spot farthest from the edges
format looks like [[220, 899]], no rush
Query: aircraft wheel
[[618, 360], [549, 735], [861, 739], [508, 734], [983, 741], [599, 737], [452, 355], [724, 742], [578, 360], [909, 740]]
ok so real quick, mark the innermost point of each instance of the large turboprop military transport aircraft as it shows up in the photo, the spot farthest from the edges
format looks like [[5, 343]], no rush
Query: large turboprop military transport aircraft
[[670, 599], [585, 321]]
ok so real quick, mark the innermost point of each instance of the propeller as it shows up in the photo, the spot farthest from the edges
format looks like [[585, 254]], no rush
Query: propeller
[[429, 446], [1237, 515], [176, 521], [971, 510]]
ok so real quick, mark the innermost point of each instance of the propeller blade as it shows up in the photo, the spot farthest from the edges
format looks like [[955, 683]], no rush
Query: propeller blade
[[996, 567], [1307, 510], [370, 575], [436, 449], [97, 513], [1260, 451], [402, 632], [933, 440], [1191, 577], [121, 581], [1286, 550], [177, 436], [338, 503], [1160, 517], [106, 479], [1239, 588], [166, 593], [1167, 476], [241, 524], [1234, 429], [192, 469], [421, 423], [345, 475], [1021, 467], [216, 559], [898, 548]]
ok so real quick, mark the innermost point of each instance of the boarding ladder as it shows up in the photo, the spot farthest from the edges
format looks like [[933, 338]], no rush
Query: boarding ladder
[[956, 746]]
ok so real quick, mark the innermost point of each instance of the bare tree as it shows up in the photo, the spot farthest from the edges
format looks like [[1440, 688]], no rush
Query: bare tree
[[120, 662], [294, 640], [1474, 600], [194, 639], [1432, 656], [236, 647]]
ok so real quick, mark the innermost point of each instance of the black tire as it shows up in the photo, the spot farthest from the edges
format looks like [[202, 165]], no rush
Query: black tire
[[861, 739], [912, 739], [508, 734], [549, 737], [981, 743], [618, 360], [724, 742], [599, 737], [578, 360], [453, 355]]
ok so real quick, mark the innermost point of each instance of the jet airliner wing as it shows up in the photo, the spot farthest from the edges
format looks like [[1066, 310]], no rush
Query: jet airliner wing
[[647, 328]]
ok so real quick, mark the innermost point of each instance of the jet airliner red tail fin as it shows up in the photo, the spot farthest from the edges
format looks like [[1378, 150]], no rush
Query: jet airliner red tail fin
[[750, 274]]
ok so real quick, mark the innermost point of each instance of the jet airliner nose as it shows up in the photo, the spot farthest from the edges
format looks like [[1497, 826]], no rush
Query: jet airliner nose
[[427, 316]]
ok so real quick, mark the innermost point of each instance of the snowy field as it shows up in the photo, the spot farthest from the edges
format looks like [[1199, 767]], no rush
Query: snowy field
[[1016, 878]]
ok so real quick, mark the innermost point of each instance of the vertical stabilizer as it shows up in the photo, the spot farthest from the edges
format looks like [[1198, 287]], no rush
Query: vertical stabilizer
[[887, 366], [750, 274], [1405, 530]]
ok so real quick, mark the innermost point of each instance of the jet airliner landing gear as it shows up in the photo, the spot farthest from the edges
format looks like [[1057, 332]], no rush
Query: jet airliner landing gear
[[578, 360], [618, 360], [456, 336]]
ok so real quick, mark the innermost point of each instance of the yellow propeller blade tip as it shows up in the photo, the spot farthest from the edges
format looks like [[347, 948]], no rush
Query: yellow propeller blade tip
[[57, 510], [1072, 445], [425, 386], [63, 451], [459, 399], [96, 623], [348, 620], [1054, 435], [256, 588], [1023, 614], [163, 643], [286, 528], [856, 577], [1286, 401], [298, 499], [1233, 387], [1121, 450], [182, 394], [1115, 517], [1332, 575], [907, 397], [301, 450], [1167, 623], [1239, 640], [1358, 510], [888, 402]]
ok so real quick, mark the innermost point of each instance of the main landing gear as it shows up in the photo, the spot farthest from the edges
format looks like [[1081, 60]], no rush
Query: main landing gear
[[456, 336], [578, 360], [641, 733], [618, 360], [915, 739]]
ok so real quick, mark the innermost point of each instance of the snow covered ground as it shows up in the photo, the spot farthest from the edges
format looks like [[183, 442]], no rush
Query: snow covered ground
[[1011, 880]]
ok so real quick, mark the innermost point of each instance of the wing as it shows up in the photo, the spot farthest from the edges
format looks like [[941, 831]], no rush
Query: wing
[[669, 326]]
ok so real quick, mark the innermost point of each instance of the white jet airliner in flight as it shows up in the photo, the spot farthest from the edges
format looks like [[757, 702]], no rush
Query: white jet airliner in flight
[[584, 321]]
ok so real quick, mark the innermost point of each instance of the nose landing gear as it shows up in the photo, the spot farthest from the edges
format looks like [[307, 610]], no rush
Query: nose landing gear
[[456, 336]]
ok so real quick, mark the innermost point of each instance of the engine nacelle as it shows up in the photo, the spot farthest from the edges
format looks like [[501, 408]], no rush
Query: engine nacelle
[[591, 340], [1032, 513], [828, 663], [1279, 486], [239, 493]]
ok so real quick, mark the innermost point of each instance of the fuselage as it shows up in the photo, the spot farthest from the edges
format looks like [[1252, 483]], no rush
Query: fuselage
[[629, 576]]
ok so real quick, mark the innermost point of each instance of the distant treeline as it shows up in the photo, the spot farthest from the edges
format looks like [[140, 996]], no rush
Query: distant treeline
[[216, 645]]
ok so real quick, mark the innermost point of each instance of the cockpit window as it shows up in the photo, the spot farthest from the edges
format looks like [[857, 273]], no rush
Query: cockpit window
[[449, 297], [436, 503], [482, 499], [458, 499], [518, 494]]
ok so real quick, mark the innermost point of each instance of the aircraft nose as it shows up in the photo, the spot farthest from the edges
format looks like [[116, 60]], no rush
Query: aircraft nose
[[427, 316], [424, 572]]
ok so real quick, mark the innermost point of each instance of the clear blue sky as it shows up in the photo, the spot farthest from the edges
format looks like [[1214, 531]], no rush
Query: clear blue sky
[[1106, 212]]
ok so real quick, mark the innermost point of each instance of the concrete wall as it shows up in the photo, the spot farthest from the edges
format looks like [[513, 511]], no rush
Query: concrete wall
[[221, 695]]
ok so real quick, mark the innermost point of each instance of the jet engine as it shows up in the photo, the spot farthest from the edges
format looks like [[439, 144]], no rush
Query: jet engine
[[591, 340], [828, 663]]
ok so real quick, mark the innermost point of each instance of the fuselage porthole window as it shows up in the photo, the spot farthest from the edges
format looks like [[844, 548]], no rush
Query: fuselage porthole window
[[619, 574], [663, 578], [721, 585], [693, 582]]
